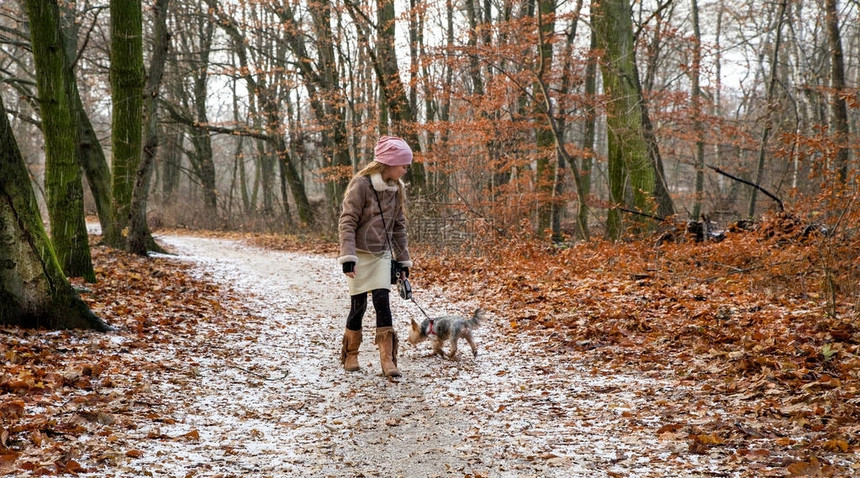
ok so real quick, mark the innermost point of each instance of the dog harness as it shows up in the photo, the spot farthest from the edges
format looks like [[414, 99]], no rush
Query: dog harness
[[430, 331]]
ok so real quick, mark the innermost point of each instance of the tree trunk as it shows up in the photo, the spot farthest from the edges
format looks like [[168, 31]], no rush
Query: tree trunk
[[698, 126], [838, 105], [95, 165], [127, 83], [33, 290], [474, 18], [414, 45], [577, 165], [589, 138], [395, 100], [771, 93], [630, 169], [447, 85], [334, 114], [326, 96], [140, 239], [200, 136], [65, 192], [172, 135], [90, 152], [660, 193], [239, 177], [717, 105], [171, 159], [545, 172]]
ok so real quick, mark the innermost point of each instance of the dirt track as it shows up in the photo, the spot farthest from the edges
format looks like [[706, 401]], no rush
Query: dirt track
[[269, 398]]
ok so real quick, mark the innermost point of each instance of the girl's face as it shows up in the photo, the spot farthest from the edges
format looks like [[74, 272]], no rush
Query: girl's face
[[394, 172]]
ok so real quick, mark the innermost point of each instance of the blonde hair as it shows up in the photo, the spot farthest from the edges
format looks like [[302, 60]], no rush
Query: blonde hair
[[375, 167]]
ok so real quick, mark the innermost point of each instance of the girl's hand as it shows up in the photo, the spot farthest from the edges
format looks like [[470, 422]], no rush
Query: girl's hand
[[349, 269]]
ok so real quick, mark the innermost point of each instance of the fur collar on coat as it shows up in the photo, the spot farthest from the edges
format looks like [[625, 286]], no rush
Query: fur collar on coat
[[379, 184]]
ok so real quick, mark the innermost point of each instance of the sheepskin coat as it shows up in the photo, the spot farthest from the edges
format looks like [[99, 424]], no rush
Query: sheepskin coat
[[360, 227]]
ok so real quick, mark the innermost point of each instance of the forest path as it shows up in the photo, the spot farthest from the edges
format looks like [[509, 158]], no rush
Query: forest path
[[519, 409]]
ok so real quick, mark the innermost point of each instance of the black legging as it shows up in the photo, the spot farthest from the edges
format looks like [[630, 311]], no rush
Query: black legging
[[358, 305]]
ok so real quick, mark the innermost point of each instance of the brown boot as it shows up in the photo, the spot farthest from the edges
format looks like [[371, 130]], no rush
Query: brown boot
[[349, 352], [386, 339]]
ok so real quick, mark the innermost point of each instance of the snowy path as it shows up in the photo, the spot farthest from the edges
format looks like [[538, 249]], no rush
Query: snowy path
[[517, 410]]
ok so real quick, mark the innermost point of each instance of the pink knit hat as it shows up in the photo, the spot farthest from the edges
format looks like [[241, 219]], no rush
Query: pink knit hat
[[392, 151]]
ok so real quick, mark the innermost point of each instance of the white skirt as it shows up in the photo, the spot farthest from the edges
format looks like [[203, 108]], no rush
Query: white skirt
[[372, 271]]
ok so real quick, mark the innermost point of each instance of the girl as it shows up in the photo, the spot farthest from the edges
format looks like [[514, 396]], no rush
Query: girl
[[372, 232]]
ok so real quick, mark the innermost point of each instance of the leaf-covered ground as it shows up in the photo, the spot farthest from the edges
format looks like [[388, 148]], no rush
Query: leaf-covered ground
[[722, 359], [754, 324]]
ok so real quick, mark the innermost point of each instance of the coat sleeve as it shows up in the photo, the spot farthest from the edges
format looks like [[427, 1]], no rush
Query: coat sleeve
[[401, 240], [350, 216]]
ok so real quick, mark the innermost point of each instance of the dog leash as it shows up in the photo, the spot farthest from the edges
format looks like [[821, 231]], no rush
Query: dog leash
[[403, 286], [405, 291], [430, 331]]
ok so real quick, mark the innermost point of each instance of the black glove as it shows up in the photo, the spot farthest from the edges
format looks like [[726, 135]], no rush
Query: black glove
[[405, 271], [348, 267]]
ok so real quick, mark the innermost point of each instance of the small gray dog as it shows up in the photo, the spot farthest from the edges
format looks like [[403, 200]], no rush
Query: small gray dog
[[451, 328]]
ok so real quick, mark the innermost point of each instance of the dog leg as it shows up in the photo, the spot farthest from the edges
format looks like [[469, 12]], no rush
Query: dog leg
[[471, 342], [453, 354]]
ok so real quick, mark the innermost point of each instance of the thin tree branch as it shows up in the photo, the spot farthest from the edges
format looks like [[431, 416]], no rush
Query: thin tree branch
[[87, 36], [749, 183], [183, 119]]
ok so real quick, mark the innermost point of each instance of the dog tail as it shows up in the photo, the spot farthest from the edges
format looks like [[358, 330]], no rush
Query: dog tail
[[476, 319]]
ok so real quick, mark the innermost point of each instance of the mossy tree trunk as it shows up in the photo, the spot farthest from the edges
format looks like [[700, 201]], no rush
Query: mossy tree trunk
[[65, 192], [127, 82], [631, 174], [90, 152], [589, 139], [34, 292]]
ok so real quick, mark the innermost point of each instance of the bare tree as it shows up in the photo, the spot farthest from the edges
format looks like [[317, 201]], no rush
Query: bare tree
[[838, 104], [698, 124], [771, 94], [139, 237]]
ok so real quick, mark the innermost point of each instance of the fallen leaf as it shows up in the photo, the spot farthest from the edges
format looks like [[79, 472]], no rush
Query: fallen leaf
[[805, 468], [836, 446]]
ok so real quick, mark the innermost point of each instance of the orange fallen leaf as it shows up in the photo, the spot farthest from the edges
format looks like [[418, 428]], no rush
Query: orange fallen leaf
[[836, 446], [71, 467], [805, 468], [669, 428], [708, 439]]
